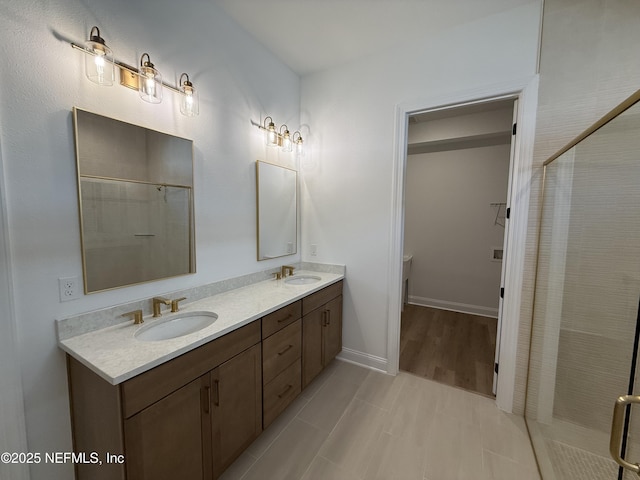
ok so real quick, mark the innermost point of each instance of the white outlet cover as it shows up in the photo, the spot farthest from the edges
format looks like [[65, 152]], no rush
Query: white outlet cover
[[69, 288]]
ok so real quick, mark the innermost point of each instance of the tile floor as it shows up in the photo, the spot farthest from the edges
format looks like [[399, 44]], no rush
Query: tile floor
[[353, 423]]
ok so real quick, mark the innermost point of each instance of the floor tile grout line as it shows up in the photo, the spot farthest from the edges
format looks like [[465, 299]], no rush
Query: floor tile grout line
[[249, 468], [279, 433], [344, 412], [503, 457]]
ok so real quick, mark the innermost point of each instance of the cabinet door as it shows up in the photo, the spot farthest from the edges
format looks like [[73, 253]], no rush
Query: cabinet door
[[332, 330], [171, 438], [236, 414], [312, 358]]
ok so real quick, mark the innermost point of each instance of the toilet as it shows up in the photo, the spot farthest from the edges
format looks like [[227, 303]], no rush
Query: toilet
[[406, 271]]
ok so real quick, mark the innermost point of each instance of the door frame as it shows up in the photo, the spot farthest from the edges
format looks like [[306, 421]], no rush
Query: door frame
[[525, 90], [13, 437]]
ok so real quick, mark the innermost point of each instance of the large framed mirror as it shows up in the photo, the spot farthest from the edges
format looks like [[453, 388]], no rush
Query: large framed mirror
[[277, 210], [135, 191]]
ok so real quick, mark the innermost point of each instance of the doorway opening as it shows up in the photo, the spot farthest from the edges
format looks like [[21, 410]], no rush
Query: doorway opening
[[456, 202]]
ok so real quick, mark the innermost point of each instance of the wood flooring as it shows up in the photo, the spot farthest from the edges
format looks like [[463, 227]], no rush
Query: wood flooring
[[449, 347]]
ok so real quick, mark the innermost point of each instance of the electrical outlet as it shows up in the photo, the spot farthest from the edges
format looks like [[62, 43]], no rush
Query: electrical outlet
[[314, 249], [69, 288]]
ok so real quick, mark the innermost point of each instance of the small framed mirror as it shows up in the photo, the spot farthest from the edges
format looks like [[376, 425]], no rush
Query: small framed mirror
[[277, 198], [135, 191]]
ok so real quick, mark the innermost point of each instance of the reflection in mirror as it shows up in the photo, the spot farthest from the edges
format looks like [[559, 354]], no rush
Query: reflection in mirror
[[277, 210], [136, 202]]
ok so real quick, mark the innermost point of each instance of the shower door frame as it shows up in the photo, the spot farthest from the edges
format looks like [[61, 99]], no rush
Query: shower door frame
[[611, 115]]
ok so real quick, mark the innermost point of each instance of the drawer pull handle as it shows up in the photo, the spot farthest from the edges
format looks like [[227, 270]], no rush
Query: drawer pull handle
[[285, 318], [285, 350], [284, 392]]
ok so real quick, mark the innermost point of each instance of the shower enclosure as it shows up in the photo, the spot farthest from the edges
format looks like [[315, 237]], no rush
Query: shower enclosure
[[584, 347]]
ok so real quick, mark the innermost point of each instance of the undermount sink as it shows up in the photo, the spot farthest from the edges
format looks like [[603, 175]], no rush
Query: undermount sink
[[175, 326], [302, 279]]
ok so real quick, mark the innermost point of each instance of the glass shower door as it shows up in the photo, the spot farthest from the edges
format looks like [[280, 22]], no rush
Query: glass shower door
[[585, 326]]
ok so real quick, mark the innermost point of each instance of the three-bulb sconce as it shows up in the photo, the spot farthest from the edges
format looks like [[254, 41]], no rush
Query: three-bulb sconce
[[281, 137], [100, 67]]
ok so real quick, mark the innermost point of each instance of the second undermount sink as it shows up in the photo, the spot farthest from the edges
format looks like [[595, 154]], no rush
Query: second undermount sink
[[175, 326], [302, 279]]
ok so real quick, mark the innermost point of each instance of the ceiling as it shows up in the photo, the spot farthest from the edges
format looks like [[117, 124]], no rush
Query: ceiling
[[313, 35]]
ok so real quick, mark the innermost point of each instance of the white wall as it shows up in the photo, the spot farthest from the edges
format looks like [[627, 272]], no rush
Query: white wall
[[450, 227], [42, 79], [347, 187]]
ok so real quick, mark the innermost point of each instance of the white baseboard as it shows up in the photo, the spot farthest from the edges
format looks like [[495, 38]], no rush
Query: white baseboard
[[454, 306], [363, 359]]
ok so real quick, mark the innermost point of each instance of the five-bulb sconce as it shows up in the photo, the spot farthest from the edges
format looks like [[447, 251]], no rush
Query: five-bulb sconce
[[100, 68], [281, 137]]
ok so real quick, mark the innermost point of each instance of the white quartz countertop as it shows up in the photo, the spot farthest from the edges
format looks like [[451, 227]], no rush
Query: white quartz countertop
[[116, 355]]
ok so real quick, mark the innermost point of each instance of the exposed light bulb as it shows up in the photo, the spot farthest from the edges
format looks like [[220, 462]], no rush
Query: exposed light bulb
[[99, 61]]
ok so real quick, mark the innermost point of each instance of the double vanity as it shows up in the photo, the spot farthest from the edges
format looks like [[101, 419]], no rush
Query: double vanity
[[178, 386], [184, 394]]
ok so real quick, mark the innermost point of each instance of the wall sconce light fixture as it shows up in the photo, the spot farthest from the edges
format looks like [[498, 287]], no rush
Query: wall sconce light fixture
[[298, 143], [280, 138], [150, 81], [285, 138], [100, 68], [271, 136], [189, 104]]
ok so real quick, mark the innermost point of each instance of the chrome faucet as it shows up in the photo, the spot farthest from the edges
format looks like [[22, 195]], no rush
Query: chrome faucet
[[157, 305], [285, 269]]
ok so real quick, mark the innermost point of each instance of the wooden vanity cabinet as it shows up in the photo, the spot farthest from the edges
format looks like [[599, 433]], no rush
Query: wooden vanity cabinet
[[321, 330], [236, 399], [182, 419], [191, 417], [171, 438]]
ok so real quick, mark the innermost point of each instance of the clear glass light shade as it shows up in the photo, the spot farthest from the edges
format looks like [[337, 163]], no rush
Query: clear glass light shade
[[299, 147], [271, 136], [150, 85], [287, 145], [99, 66], [189, 103]]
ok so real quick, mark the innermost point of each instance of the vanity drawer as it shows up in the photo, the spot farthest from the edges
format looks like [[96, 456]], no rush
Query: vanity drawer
[[280, 392], [321, 297], [281, 318], [149, 387], [280, 350]]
